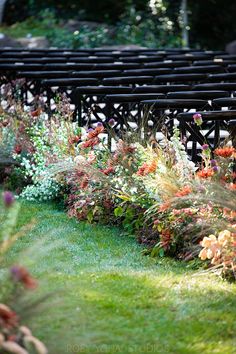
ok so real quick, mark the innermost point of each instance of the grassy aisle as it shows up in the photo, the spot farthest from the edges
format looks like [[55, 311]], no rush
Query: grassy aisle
[[108, 298]]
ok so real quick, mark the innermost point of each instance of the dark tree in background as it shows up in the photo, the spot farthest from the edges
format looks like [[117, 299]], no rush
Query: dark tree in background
[[212, 22]]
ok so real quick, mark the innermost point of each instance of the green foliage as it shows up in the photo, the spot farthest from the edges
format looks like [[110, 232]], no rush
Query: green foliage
[[109, 298], [134, 27], [146, 29]]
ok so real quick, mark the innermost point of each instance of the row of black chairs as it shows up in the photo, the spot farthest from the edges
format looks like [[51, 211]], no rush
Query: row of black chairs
[[153, 88]]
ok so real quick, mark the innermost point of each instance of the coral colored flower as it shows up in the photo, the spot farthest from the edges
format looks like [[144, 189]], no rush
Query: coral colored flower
[[232, 186], [152, 167], [21, 274], [226, 151], [205, 173], [95, 132], [142, 169], [184, 191], [74, 139], [163, 207], [145, 169], [90, 143], [84, 182]]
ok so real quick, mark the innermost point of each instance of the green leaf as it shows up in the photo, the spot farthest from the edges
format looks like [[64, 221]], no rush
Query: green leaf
[[90, 216], [118, 211]]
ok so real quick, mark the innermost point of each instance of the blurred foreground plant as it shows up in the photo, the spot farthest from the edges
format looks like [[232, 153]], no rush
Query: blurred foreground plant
[[14, 337]]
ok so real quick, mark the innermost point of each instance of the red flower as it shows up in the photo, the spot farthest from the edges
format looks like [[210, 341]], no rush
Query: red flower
[[84, 183], [8, 318], [226, 151], [165, 239], [17, 149], [21, 274], [90, 143], [74, 139], [36, 113], [108, 171], [142, 170]]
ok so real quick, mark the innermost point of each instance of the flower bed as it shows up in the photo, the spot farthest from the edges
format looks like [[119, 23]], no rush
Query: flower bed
[[150, 188]]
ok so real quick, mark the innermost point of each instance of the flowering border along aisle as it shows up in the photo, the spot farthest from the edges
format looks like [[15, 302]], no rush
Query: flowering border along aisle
[[151, 189]]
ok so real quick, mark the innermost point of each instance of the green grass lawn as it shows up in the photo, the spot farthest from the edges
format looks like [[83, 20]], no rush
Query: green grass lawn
[[108, 298]]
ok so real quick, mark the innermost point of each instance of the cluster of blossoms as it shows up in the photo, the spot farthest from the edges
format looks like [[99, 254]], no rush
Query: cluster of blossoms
[[135, 184], [220, 249]]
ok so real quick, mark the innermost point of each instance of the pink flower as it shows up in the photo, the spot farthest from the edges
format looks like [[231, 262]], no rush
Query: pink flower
[[205, 147], [197, 117], [8, 199]]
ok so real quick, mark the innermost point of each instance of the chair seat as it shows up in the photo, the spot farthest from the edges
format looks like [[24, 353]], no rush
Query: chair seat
[[96, 73], [176, 103], [152, 71], [103, 90], [20, 67], [160, 88], [180, 77], [127, 80], [222, 77], [228, 86], [43, 74], [69, 82], [133, 97], [210, 115], [204, 95], [225, 102], [166, 64], [200, 69]]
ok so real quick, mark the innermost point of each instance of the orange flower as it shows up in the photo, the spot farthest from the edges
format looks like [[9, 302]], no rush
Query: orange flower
[[184, 191], [165, 206], [21, 274], [94, 133], [232, 186], [152, 167], [226, 151], [205, 173], [145, 169]]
